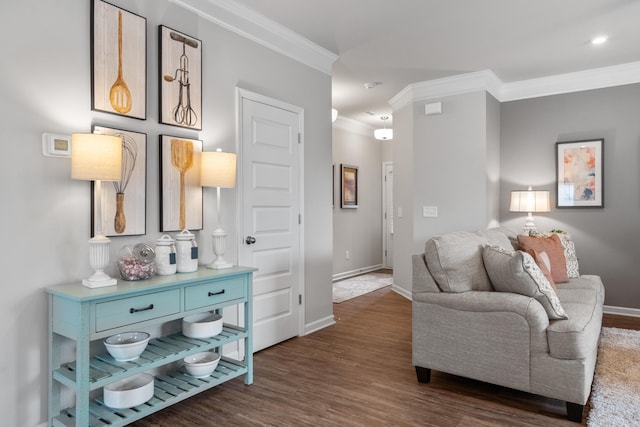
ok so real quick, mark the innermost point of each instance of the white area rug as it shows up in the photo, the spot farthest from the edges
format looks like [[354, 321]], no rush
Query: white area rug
[[615, 398], [355, 286]]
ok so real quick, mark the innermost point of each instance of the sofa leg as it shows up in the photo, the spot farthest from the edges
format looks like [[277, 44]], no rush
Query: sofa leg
[[574, 412], [424, 374]]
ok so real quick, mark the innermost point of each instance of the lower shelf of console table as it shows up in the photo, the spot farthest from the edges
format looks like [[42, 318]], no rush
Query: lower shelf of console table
[[85, 315]]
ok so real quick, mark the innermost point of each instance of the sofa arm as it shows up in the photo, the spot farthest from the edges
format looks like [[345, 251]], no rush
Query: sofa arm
[[488, 336], [480, 301]]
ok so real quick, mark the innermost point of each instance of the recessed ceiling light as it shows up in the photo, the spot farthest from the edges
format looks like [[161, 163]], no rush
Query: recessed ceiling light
[[371, 85], [599, 40]]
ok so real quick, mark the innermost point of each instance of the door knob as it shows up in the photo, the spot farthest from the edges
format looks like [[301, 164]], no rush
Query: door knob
[[250, 240]]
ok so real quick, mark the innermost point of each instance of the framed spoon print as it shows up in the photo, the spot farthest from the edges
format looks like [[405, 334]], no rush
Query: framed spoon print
[[118, 61], [180, 79], [180, 189]]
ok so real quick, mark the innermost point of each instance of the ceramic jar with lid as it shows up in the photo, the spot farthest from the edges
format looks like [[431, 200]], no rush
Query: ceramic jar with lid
[[186, 252], [166, 262]]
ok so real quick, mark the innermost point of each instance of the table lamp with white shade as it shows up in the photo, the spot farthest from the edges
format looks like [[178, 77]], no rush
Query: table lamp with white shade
[[218, 169], [530, 201], [97, 158]]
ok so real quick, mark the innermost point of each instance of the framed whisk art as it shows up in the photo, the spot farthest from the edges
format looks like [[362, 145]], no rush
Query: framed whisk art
[[118, 61], [124, 202], [180, 79], [180, 189]]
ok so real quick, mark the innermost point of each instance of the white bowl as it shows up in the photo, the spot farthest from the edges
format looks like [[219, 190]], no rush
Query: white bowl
[[127, 346], [201, 364], [129, 392], [203, 325]]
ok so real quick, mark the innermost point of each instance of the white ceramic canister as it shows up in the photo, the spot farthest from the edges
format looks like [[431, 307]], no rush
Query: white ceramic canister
[[187, 252], [165, 256]]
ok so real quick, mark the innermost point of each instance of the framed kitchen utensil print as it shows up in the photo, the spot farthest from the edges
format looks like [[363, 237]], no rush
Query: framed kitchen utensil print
[[118, 61], [180, 79], [124, 202], [580, 173], [180, 189]]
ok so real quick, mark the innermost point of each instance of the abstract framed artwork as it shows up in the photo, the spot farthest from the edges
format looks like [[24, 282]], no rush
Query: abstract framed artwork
[[118, 61], [349, 186], [180, 189], [180, 79], [124, 202], [580, 174]]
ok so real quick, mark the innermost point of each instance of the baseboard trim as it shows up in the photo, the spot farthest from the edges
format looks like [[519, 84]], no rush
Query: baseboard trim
[[622, 311], [319, 324], [401, 291], [353, 273]]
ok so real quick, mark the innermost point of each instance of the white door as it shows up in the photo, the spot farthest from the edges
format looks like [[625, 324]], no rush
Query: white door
[[270, 200], [387, 197]]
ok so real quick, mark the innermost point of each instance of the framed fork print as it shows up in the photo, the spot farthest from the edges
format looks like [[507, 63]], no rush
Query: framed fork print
[[180, 189], [118, 61], [580, 173], [180, 79]]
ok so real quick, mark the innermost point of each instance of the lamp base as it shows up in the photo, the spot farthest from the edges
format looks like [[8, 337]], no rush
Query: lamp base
[[99, 259], [219, 263], [530, 226], [92, 283]]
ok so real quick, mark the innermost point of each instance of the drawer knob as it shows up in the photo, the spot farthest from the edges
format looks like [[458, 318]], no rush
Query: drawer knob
[[211, 294], [135, 310]]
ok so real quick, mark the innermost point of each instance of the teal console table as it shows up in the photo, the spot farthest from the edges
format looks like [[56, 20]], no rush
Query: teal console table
[[84, 315]]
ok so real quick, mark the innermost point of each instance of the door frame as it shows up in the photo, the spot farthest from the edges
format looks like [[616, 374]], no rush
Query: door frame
[[385, 261], [256, 97]]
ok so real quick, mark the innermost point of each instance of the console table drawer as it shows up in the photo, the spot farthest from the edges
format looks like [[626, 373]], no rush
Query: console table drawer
[[213, 293], [127, 311]]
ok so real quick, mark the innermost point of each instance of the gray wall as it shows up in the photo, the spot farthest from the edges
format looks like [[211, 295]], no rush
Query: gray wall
[[446, 161], [358, 231], [46, 88], [605, 238]]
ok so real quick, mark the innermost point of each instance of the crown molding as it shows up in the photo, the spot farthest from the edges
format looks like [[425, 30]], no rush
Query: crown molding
[[353, 126], [447, 86], [250, 24], [597, 78]]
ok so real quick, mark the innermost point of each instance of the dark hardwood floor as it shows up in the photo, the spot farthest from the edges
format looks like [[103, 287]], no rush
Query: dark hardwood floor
[[358, 372]]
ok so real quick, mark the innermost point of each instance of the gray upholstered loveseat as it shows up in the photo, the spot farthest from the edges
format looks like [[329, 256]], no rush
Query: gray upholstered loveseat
[[463, 326]]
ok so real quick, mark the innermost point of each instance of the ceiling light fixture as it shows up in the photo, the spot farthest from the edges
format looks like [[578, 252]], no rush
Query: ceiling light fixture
[[599, 40], [384, 133], [371, 85]]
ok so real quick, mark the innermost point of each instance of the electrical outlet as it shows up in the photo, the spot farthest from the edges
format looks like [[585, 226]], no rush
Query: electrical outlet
[[347, 255]]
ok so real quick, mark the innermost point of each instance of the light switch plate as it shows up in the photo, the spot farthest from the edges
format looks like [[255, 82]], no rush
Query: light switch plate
[[430, 211], [55, 145]]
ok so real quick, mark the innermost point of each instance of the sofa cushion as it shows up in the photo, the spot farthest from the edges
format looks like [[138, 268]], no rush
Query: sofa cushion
[[553, 247], [577, 336], [569, 248], [542, 259], [517, 272], [455, 259]]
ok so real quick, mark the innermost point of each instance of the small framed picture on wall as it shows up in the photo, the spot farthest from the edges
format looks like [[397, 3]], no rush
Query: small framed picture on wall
[[349, 186], [580, 173]]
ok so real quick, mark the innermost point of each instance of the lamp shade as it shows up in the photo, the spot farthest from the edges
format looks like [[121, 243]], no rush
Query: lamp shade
[[218, 169], [96, 157], [383, 134], [530, 201]]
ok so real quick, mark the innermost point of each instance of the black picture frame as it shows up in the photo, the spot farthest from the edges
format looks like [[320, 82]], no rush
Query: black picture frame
[[118, 61], [580, 174], [180, 79], [125, 214], [174, 157], [348, 186]]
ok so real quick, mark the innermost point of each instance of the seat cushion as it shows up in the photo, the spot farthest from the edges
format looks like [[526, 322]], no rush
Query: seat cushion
[[577, 336], [455, 259]]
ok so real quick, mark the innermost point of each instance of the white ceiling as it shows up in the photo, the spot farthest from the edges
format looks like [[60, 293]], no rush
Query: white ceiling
[[399, 42]]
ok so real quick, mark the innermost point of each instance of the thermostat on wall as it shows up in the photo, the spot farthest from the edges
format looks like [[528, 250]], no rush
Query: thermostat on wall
[[54, 145]]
